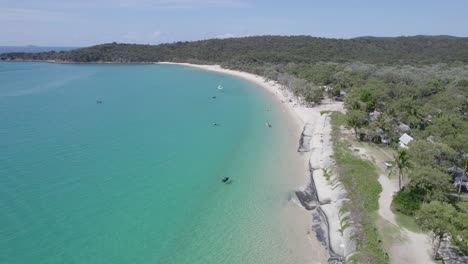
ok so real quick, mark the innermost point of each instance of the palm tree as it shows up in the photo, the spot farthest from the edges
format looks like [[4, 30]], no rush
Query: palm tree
[[402, 163]]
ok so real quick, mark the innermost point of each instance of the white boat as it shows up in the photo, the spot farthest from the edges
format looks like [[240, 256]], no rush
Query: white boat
[[220, 87]]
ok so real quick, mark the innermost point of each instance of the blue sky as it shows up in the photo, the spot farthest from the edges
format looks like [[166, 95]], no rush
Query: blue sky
[[88, 22]]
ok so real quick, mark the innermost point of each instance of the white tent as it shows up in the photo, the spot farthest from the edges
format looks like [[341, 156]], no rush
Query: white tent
[[405, 139]]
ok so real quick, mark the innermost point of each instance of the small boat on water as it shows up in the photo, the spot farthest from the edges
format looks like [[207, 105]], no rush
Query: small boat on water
[[226, 180], [220, 87]]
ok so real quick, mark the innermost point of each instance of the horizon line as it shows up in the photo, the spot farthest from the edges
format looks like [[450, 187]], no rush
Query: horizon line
[[234, 37]]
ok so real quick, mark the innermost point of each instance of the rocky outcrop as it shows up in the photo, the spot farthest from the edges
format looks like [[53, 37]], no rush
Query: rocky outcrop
[[308, 197], [450, 253], [325, 196], [306, 136]]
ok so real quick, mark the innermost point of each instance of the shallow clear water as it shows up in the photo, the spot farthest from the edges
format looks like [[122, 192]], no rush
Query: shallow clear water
[[136, 179]]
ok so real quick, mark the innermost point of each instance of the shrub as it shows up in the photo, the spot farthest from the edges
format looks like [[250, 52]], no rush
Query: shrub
[[407, 201]]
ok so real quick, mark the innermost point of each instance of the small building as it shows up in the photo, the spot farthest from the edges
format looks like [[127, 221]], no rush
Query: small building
[[460, 180], [402, 128], [405, 139], [456, 172]]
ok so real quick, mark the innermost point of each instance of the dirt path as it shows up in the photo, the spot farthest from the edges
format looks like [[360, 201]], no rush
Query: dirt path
[[404, 246]]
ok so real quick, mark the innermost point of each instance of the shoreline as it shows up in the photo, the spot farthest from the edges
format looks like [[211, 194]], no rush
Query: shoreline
[[298, 112], [321, 196], [319, 192]]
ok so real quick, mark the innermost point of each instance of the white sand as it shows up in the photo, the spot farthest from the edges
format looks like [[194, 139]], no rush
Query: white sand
[[321, 150], [331, 194]]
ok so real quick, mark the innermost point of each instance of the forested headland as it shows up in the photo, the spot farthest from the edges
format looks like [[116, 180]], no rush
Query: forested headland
[[274, 49], [415, 85]]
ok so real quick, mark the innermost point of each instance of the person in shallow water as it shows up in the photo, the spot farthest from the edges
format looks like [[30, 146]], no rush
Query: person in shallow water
[[215, 124], [225, 179]]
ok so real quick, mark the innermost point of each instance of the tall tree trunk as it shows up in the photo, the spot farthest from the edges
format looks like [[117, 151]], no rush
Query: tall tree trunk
[[400, 176], [438, 241], [459, 189], [460, 185]]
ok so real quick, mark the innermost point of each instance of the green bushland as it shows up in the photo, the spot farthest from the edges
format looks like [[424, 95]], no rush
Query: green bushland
[[462, 205], [417, 85], [276, 50], [440, 219], [407, 202], [359, 177]]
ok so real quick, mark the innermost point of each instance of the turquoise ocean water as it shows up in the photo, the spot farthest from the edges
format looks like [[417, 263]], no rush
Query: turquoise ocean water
[[136, 179]]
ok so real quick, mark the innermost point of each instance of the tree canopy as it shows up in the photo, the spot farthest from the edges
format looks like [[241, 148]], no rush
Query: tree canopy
[[275, 50], [437, 218]]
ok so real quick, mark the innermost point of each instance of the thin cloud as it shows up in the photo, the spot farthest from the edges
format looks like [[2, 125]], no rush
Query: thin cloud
[[182, 4], [227, 35], [135, 4], [141, 37], [32, 15], [231, 35]]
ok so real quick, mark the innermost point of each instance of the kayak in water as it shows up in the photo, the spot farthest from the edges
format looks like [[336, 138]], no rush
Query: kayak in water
[[226, 180]]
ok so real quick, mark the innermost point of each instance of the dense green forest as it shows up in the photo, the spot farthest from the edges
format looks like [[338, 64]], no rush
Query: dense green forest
[[274, 49], [390, 86], [430, 103]]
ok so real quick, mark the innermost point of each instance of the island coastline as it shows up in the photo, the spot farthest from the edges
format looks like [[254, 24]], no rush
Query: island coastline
[[321, 198], [322, 214]]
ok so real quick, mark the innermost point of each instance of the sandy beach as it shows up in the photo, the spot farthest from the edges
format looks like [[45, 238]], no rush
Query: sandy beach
[[315, 240]]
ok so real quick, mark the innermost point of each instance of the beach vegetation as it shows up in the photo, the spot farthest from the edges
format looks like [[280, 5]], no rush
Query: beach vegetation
[[401, 163], [345, 222], [359, 177], [430, 182], [390, 86], [437, 218], [407, 201], [327, 173], [356, 119]]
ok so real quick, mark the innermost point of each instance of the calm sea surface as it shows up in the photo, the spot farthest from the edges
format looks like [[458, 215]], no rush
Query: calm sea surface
[[136, 178]]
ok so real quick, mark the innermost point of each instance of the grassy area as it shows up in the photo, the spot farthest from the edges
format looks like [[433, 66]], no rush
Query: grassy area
[[389, 232], [360, 180], [337, 120], [407, 222]]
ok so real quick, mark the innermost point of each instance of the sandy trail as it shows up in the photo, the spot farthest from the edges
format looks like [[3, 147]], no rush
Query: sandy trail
[[408, 247]]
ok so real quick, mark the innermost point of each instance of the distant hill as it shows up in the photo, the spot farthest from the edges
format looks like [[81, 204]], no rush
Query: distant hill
[[33, 49], [272, 49]]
